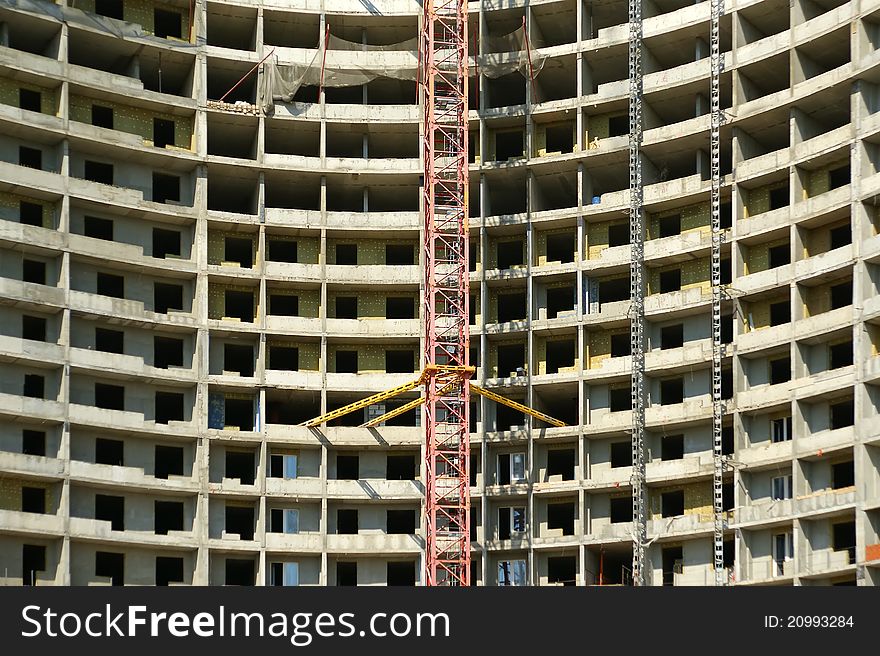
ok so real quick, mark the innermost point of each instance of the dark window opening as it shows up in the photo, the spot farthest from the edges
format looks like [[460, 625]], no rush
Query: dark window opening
[[30, 100], [346, 362], [98, 228], [560, 354], [165, 242], [400, 522], [399, 254], [672, 336], [240, 465], [669, 225], [167, 23], [167, 297], [560, 139], [169, 407], [240, 572], [727, 383], [163, 132], [844, 539], [346, 521], [98, 172], [109, 397], [726, 273], [110, 509], [400, 362], [727, 440], [33, 271], [779, 197], [347, 307], [780, 370], [621, 510], [168, 570], [400, 307], [561, 516], [778, 256], [841, 295], [780, 313], [282, 250], [400, 467], [166, 188], [727, 329], [618, 125], [284, 305], [672, 503], [110, 565], [167, 352], [618, 235], [168, 516], [240, 305], [838, 177], [32, 158], [109, 284], [510, 253], [621, 454], [511, 358], [843, 474], [511, 307], [611, 291], [109, 8], [102, 117], [472, 255], [842, 414], [168, 461], [239, 413], [240, 251], [284, 358], [840, 355], [238, 358], [33, 500], [109, 452], [672, 447], [672, 563], [33, 442], [30, 214], [33, 328], [347, 574], [559, 299], [33, 560], [562, 569], [621, 345], [560, 462], [400, 574], [347, 468], [561, 247], [727, 497], [671, 391], [347, 254], [670, 281], [109, 341], [619, 399], [240, 521], [34, 386], [840, 236], [509, 144]]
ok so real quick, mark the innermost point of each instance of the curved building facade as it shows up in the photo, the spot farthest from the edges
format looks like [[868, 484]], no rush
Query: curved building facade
[[210, 233]]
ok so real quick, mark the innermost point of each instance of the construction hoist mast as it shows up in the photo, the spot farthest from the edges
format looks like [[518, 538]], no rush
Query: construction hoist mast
[[637, 292], [445, 194], [717, 346]]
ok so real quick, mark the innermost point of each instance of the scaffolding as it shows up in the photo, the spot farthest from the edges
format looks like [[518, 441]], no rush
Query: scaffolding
[[637, 293], [717, 292]]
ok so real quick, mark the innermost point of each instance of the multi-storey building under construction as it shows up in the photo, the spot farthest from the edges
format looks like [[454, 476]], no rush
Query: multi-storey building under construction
[[210, 233]]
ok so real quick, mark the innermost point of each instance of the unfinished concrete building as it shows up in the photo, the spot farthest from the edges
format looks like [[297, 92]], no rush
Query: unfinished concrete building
[[190, 267]]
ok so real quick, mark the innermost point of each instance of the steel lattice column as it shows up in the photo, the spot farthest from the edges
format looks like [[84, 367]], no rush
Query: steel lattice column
[[445, 148]]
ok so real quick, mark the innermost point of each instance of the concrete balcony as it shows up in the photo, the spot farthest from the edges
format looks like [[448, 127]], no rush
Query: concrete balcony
[[605, 476], [603, 530], [128, 254], [823, 323], [121, 477], [88, 415], [765, 511], [374, 489], [24, 523], [294, 542], [764, 280], [693, 409], [766, 570], [128, 366], [755, 168], [689, 467], [292, 325], [13, 405], [232, 542], [293, 218], [396, 221], [367, 382], [373, 328], [761, 338], [312, 380], [692, 353], [678, 248], [825, 562], [84, 528], [825, 501], [29, 293], [824, 263], [765, 396], [22, 464], [374, 274], [766, 453], [681, 524], [20, 233], [345, 436], [674, 301], [295, 488], [234, 487], [374, 543], [15, 349], [103, 306], [291, 272], [825, 441]]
